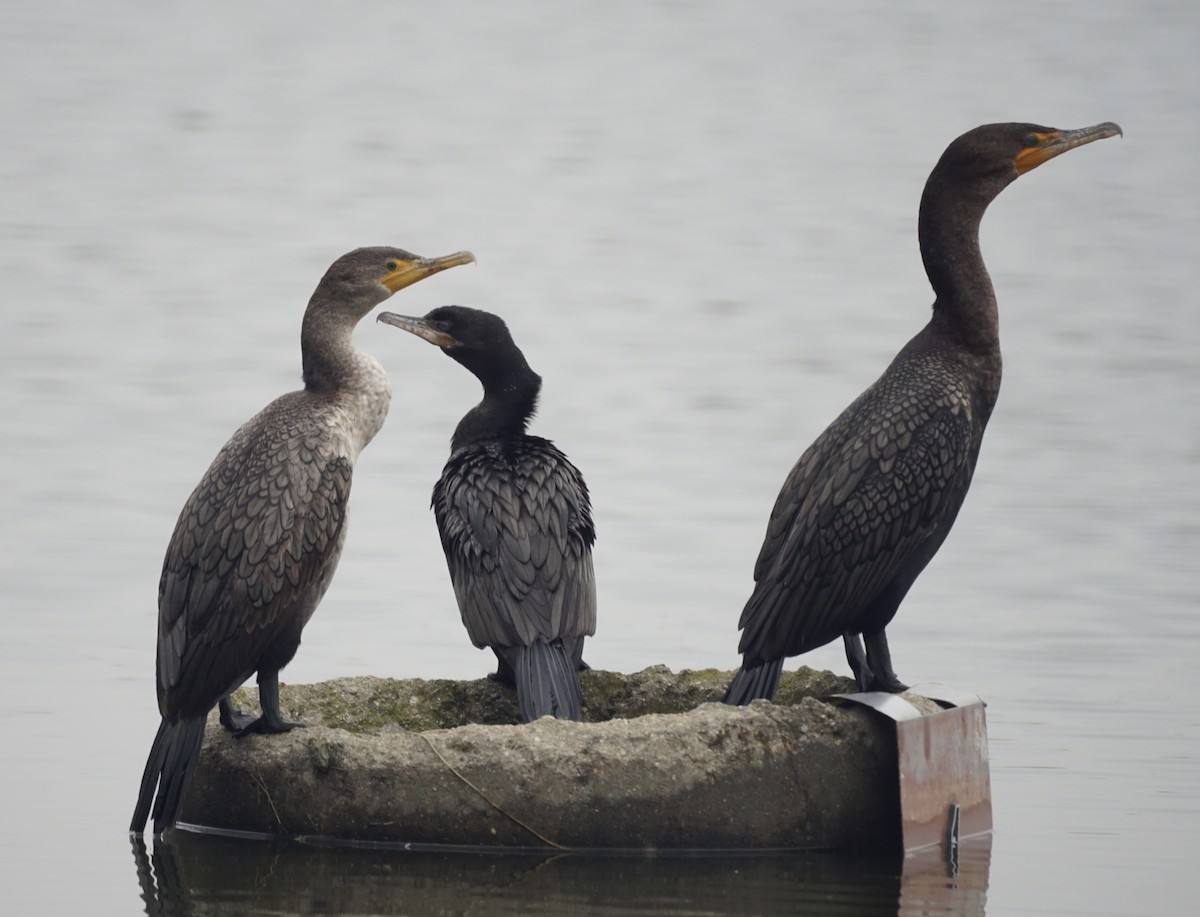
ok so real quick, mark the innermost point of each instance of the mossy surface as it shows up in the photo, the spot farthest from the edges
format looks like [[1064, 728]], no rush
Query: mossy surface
[[380, 705], [658, 764]]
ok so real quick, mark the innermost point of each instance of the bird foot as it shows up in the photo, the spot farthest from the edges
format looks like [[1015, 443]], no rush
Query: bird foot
[[891, 684], [267, 726], [863, 677], [236, 720]]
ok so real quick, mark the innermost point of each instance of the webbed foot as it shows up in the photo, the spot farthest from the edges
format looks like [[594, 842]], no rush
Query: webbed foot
[[232, 718], [265, 725], [892, 685]]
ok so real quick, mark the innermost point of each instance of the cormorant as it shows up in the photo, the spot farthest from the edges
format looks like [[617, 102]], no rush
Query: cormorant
[[870, 502], [515, 520], [257, 542]]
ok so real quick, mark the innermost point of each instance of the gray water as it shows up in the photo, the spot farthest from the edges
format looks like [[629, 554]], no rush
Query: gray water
[[699, 221]]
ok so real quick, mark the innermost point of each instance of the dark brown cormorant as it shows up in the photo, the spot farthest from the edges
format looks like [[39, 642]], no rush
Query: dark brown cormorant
[[870, 502], [515, 520], [258, 540]]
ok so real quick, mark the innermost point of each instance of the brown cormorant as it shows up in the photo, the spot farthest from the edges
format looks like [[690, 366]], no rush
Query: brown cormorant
[[870, 502], [257, 542], [515, 520]]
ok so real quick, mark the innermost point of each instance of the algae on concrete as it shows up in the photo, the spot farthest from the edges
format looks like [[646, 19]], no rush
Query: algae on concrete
[[366, 704], [657, 764]]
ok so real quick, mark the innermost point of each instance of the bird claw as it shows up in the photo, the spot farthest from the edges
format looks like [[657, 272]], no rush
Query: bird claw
[[264, 726], [235, 720], [892, 685]]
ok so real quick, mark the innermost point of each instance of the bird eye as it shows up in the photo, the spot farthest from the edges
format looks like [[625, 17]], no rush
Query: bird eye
[[391, 265], [442, 325], [1031, 140]]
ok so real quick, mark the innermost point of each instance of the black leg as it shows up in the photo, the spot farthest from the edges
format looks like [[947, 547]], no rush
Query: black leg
[[272, 720], [857, 657], [880, 659], [504, 671], [232, 718], [575, 652]]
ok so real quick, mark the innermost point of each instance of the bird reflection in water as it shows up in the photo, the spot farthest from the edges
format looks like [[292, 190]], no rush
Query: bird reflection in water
[[189, 873], [163, 890]]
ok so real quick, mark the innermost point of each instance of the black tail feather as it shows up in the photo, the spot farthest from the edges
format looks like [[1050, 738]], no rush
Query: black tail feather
[[547, 683], [169, 768], [754, 681]]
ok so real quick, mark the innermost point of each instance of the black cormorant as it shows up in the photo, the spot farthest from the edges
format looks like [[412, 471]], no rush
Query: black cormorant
[[515, 520], [870, 502], [257, 542]]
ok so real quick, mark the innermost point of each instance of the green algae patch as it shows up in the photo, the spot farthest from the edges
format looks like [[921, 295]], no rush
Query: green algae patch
[[375, 705], [371, 705]]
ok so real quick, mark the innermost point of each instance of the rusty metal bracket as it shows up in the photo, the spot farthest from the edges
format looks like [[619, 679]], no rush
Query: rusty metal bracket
[[942, 765]]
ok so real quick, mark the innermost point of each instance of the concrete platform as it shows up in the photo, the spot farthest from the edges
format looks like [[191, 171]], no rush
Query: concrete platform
[[657, 766]]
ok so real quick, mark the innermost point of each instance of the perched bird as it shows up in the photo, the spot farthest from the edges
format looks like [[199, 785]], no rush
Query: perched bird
[[257, 542], [870, 502], [515, 520]]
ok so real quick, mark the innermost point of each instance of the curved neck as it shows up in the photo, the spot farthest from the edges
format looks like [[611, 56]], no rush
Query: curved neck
[[948, 229], [328, 355], [510, 393]]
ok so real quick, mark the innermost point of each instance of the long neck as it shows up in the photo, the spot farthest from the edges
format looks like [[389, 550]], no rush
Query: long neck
[[331, 361], [352, 384], [965, 308], [510, 396]]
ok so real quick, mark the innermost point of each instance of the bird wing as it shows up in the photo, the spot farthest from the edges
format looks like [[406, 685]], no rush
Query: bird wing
[[861, 503], [255, 547], [516, 527]]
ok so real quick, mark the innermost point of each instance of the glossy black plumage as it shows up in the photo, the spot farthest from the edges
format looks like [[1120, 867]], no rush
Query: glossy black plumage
[[258, 540], [515, 520], [869, 503]]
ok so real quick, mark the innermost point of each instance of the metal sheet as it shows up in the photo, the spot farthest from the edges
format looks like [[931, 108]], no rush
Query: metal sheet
[[946, 695], [943, 761], [941, 765], [893, 706]]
